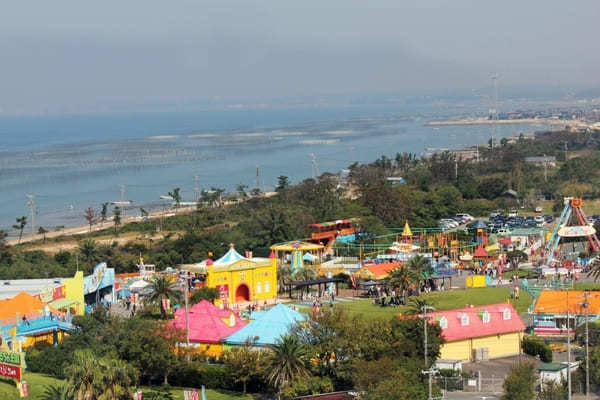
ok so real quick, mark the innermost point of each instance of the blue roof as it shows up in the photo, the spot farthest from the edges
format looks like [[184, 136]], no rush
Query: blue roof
[[479, 225], [230, 257], [37, 327], [268, 327]]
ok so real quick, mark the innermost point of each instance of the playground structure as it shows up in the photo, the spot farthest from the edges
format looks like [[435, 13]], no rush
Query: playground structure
[[326, 233], [562, 229]]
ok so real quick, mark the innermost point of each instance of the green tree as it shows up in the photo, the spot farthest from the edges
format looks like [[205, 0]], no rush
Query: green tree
[[56, 392], [20, 225], [42, 231], [176, 196], [515, 257], [117, 378], [104, 212], [163, 288], [282, 183], [244, 364], [204, 293], [518, 385], [286, 362], [117, 219], [84, 376], [241, 189], [552, 390], [88, 248]]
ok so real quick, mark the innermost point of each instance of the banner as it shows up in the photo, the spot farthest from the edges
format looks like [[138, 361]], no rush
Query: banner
[[10, 357], [10, 371], [24, 389], [223, 291]]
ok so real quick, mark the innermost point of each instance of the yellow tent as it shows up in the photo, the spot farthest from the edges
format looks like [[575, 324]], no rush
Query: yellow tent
[[406, 231]]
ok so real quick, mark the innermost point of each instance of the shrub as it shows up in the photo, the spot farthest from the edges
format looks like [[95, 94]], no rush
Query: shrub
[[535, 347]]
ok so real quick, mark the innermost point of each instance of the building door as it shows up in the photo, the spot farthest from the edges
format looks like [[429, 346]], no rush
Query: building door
[[242, 293]]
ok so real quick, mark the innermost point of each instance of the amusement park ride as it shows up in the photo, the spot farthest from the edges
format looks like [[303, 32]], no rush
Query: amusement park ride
[[562, 229], [326, 233]]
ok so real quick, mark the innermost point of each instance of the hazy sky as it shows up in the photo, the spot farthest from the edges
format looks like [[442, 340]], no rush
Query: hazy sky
[[64, 56]]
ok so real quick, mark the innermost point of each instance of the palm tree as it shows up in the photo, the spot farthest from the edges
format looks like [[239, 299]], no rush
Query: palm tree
[[163, 288], [42, 231], [84, 376], [104, 212], [20, 225], [401, 278], [88, 249], [286, 362], [117, 218], [56, 392], [176, 197], [284, 275], [117, 379], [417, 304], [3, 236]]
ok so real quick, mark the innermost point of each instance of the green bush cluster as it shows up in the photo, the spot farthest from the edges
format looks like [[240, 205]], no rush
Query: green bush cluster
[[535, 347]]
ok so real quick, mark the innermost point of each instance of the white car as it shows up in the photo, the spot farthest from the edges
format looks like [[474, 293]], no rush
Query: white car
[[539, 219], [513, 214], [503, 231], [465, 217], [539, 209]]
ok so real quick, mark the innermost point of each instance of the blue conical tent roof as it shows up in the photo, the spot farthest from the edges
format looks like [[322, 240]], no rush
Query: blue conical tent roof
[[230, 257], [479, 225], [268, 327]]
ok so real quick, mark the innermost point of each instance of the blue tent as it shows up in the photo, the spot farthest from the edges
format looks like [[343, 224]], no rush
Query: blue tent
[[479, 225], [268, 327]]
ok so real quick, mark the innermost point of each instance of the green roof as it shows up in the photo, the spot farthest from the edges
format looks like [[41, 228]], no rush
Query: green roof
[[62, 303], [552, 367]]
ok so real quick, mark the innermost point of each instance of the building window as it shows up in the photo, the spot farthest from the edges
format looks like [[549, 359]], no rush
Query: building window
[[267, 287], [464, 320], [258, 288], [485, 317], [443, 323], [506, 314]]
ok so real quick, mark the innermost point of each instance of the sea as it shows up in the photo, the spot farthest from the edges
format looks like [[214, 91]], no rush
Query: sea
[[72, 162]]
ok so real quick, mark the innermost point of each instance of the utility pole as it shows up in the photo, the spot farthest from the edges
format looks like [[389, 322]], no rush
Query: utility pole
[[196, 188], [566, 155], [429, 371], [31, 205], [494, 110], [122, 192], [257, 178], [315, 168], [568, 350], [477, 146], [545, 169], [585, 306], [187, 315], [456, 168]]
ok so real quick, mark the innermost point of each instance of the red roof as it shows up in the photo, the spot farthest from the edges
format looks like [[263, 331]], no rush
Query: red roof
[[480, 252], [505, 241], [475, 325], [207, 322]]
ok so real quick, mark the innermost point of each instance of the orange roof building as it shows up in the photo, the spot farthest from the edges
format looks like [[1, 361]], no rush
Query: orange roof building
[[552, 307], [379, 271], [22, 304]]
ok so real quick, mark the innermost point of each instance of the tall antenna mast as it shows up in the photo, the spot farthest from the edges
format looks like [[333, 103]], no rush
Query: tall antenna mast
[[122, 192], [31, 205], [315, 167], [257, 178], [196, 188], [494, 109]]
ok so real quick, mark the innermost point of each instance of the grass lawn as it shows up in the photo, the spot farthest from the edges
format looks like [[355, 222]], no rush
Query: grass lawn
[[587, 286], [37, 382], [443, 301]]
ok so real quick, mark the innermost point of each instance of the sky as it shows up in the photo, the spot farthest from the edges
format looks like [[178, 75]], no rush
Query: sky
[[71, 56]]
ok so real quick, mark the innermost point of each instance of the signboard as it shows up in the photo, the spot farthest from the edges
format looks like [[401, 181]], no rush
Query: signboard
[[10, 371], [576, 231], [223, 291], [92, 283], [24, 389], [10, 357]]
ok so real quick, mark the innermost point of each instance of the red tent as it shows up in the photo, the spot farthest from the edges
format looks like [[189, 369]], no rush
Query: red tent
[[480, 253], [208, 324]]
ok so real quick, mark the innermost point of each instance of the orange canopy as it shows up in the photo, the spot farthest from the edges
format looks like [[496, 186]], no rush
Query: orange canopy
[[555, 302], [22, 303]]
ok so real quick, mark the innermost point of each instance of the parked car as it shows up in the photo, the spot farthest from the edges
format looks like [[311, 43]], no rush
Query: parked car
[[539, 219], [539, 209], [513, 213], [465, 217], [504, 231]]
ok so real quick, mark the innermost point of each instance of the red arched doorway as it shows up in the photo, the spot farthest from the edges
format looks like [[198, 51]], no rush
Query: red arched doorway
[[242, 293]]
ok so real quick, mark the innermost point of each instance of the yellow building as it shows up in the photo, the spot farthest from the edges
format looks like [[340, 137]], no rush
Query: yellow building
[[243, 279], [479, 333]]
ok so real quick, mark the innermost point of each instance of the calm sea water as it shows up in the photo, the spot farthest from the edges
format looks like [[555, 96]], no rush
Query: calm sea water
[[73, 162]]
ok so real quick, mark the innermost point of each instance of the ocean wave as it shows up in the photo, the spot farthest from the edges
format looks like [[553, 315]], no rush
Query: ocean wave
[[339, 132], [202, 136], [319, 141], [249, 134], [289, 133], [163, 137]]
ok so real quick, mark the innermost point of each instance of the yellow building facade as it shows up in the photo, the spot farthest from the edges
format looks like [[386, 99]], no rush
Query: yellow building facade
[[504, 345], [242, 279]]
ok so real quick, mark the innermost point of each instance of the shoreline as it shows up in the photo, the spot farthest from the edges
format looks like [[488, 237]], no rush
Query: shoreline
[[486, 121]]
